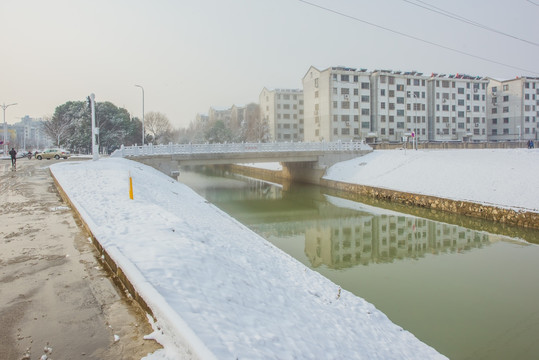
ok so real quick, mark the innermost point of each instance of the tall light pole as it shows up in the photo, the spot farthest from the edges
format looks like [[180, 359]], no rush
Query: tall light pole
[[4, 107], [142, 113]]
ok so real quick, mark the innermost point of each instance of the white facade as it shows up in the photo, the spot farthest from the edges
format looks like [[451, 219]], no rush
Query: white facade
[[282, 110], [399, 102], [457, 108], [513, 109], [337, 104]]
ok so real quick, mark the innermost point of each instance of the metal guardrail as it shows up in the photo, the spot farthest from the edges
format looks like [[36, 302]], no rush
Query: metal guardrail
[[171, 149]]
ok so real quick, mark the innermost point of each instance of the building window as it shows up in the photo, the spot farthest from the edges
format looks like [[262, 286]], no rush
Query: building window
[[382, 105], [365, 111], [345, 118], [506, 98], [400, 87], [400, 112], [356, 105], [334, 104], [335, 118], [365, 98], [345, 77], [494, 121], [356, 91], [505, 88], [365, 124], [356, 78], [506, 109], [345, 104], [506, 120], [494, 131], [356, 118], [400, 100], [365, 85], [345, 131], [383, 92], [494, 110], [345, 91], [335, 131]]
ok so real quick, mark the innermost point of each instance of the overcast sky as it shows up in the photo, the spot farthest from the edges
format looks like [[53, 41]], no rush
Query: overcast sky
[[190, 55]]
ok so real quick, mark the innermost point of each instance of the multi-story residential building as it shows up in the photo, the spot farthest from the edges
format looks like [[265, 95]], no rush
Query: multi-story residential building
[[219, 114], [457, 108], [513, 109], [399, 105], [28, 133], [337, 104], [282, 110], [349, 104]]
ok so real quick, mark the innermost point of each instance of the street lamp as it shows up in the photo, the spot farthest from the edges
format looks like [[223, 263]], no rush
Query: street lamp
[[4, 107], [142, 112]]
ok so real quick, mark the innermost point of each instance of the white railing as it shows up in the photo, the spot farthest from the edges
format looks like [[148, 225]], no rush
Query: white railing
[[169, 149]]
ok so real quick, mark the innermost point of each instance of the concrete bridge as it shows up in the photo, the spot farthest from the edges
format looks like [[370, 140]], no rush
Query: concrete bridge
[[305, 162]]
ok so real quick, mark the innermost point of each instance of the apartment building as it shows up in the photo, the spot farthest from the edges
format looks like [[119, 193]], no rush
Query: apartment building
[[337, 104], [386, 106], [457, 108], [282, 110], [399, 103], [513, 109]]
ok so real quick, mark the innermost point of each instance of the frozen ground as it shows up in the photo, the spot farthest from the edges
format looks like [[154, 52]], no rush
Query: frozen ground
[[217, 289], [505, 178]]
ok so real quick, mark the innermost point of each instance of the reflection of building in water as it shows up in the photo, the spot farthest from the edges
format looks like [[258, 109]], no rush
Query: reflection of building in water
[[349, 241]]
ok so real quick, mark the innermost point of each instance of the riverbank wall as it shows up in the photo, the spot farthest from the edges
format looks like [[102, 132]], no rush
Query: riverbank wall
[[512, 217]]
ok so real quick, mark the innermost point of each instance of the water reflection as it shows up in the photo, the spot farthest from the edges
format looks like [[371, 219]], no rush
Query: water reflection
[[366, 239], [467, 304]]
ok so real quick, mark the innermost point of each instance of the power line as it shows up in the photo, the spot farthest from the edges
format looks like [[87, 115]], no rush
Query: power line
[[531, 2], [416, 38], [451, 15]]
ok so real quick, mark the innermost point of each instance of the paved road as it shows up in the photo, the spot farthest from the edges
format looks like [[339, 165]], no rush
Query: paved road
[[52, 288]]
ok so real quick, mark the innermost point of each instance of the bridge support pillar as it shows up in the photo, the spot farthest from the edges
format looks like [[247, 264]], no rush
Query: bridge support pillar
[[307, 172]]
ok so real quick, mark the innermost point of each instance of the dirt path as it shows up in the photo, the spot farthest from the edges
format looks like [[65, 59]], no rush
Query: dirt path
[[53, 291]]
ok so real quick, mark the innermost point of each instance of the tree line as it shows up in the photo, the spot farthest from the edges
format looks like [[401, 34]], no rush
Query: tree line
[[70, 127]]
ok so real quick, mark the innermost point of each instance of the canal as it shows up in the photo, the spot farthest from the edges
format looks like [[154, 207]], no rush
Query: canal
[[468, 288]]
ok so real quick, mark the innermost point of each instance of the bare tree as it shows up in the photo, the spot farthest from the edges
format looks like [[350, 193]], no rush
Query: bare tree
[[158, 127], [57, 128]]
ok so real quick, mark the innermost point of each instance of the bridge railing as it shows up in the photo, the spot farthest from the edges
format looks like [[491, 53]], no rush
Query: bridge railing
[[171, 148]]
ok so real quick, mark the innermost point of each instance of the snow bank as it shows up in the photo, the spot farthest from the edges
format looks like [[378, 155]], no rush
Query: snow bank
[[501, 177], [218, 289]]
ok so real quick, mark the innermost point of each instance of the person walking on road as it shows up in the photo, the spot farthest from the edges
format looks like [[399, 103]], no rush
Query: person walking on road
[[13, 154]]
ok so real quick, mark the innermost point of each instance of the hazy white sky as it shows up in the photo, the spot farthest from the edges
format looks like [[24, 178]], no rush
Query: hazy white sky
[[190, 55]]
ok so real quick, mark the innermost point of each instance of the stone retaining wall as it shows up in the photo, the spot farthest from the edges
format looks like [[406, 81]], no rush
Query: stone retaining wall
[[504, 216]]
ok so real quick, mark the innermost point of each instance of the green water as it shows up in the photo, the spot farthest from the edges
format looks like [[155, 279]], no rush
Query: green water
[[470, 291]]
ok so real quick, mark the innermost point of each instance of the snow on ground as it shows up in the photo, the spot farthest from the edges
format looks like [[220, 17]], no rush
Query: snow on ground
[[217, 289], [501, 177]]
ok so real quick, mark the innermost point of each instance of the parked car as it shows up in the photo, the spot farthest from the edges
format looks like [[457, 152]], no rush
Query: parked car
[[53, 153]]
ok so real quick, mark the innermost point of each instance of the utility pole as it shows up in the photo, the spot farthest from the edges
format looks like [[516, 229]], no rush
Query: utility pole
[[4, 107], [95, 130]]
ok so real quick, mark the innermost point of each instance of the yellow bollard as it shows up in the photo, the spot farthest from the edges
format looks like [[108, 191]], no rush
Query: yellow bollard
[[130, 186]]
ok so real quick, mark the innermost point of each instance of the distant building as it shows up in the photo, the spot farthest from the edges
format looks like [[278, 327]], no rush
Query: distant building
[[28, 134], [513, 111], [282, 110], [219, 114]]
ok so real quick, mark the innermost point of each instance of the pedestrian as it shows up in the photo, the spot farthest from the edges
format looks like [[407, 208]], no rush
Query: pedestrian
[[13, 154]]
